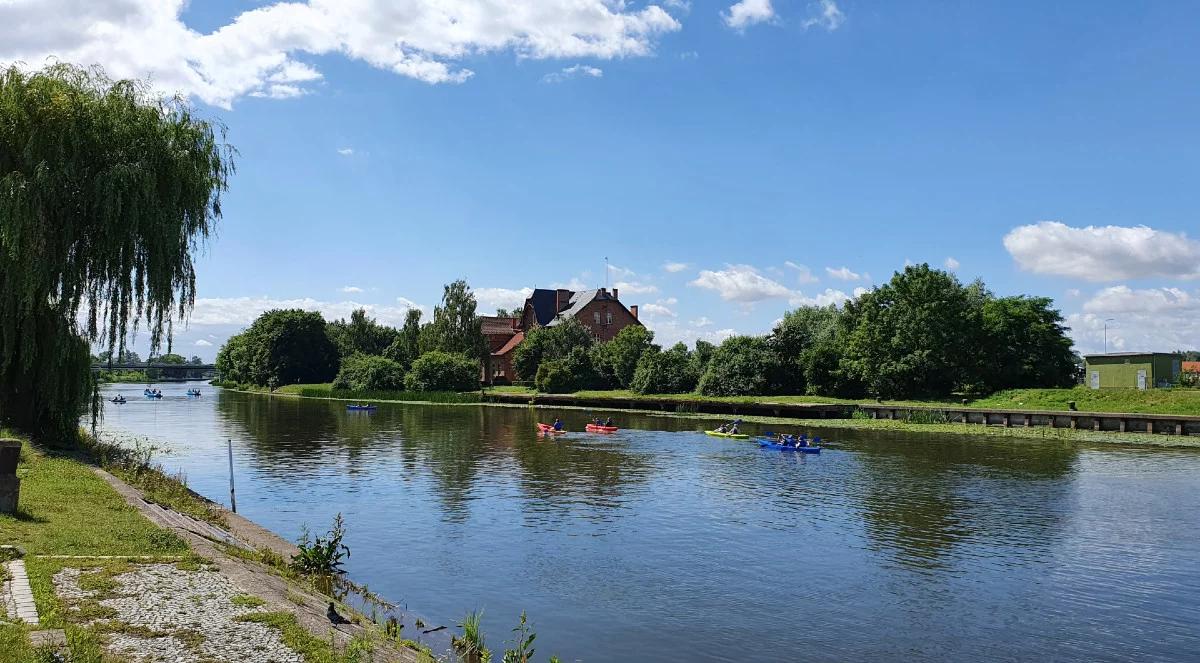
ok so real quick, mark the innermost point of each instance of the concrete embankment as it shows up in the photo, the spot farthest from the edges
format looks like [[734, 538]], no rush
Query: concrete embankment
[[1114, 422]]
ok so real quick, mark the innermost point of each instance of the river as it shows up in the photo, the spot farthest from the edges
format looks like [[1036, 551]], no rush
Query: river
[[661, 543]]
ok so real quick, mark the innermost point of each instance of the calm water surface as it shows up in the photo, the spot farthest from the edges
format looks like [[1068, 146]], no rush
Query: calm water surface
[[660, 543]]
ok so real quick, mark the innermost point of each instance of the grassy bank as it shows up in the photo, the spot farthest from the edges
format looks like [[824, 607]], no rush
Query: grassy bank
[[327, 391], [1150, 401], [66, 509]]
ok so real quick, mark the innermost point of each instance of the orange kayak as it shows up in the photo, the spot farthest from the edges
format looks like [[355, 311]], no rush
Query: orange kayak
[[597, 428], [549, 430]]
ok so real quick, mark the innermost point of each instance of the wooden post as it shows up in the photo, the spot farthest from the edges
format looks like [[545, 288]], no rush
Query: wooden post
[[1074, 422], [1095, 423], [1053, 420], [1150, 426], [1007, 421], [232, 496], [1124, 423], [964, 416], [1179, 428], [1028, 420]]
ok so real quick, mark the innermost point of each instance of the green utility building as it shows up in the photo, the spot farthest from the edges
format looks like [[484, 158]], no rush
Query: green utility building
[[1144, 370]]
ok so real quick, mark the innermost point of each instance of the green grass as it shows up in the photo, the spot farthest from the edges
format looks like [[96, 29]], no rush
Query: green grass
[[65, 509], [1150, 401]]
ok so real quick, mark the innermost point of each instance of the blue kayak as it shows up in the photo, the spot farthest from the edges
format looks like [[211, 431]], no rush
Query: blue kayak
[[784, 447], [362, 407]]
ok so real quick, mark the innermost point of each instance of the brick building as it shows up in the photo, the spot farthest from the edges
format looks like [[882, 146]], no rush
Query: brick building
[[600, 311]]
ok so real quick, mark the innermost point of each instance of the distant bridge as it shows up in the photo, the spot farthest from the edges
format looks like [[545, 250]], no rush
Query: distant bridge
[[125, 366]]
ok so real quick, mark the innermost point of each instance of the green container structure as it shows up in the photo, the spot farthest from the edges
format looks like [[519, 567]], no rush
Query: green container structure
[[1139, 370]]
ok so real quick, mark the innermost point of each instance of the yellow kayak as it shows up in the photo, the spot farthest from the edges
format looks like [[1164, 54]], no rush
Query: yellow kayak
[[732, 436]]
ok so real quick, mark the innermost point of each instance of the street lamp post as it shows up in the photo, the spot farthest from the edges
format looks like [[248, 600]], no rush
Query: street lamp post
[[1106, 321]]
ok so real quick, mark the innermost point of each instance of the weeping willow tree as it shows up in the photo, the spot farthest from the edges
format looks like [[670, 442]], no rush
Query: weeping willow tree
[[106, 191]]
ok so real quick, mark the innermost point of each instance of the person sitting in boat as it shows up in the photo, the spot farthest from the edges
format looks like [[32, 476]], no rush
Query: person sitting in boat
[[722, 428], [733, 428], [558, 424], [608, 422]]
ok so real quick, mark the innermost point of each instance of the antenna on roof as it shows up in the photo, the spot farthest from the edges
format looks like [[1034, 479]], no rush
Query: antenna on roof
[[606, 273]]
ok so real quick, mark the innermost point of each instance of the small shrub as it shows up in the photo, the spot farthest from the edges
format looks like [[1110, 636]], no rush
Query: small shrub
[[443, 371], [369, 373], [553, 378], [739, 367], [670, 372], [523, 650], [322, 555]]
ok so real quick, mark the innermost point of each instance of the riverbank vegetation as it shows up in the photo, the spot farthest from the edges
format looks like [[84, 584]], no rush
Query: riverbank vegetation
[[102, 180]]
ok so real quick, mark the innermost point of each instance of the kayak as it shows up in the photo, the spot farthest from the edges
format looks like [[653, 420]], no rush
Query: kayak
[[731, 436], [362, 407], [783, 447], [549, 430], [597, 428]]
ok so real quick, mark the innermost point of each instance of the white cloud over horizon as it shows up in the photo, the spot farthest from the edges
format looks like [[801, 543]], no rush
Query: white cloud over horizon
[[675, 267], [491, 299], [740, 283], [244, 310], [1103, 253], [257, 53], [827, 16], [1159, 319]]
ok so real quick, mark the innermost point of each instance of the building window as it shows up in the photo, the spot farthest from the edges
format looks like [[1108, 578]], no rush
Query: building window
[[610, 317], [597, 316]]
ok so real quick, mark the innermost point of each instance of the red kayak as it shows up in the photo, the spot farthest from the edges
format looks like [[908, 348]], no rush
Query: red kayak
[[549, 430], [597, 428]]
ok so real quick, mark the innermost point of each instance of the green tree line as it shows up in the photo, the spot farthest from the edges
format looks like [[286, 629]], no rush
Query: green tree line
[[293, 346], [922, 334]]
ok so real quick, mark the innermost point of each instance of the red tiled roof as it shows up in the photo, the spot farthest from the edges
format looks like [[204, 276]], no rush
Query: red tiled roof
[[512, 343], [1191, 367]]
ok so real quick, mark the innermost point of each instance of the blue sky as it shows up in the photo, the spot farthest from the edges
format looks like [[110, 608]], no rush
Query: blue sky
[[732, 160]]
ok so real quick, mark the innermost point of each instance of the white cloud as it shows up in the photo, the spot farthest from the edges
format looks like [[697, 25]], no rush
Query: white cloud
[[675, 267], [843, 273], [635, 288], [702, 321], [258, 51], [803, 274], [203, 343], [490, 299], [243, 310], [656, 310], [741, 283], [860, 291], [1158, 319], [346, 151], [1073, 292], [574, 71], [746, 13], [351, 288], [689, 55], [830, 296], [669, 332], [827, 16], [683, 6], [951, 264], [1103, 253]]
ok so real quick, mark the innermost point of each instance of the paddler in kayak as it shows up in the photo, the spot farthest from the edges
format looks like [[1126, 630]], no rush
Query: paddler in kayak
[[608, 422], [558, 424]]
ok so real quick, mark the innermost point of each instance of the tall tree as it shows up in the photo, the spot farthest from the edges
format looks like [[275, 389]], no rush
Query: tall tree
[[623, 352], [1027, 345], [455, 328], [406, 347], [105, 192], [361, 335], [281, 347], [914, 336]]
